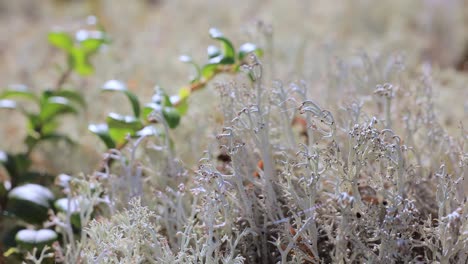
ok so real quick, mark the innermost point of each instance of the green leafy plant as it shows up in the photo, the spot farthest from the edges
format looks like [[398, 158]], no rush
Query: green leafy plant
[[117, 129], [78, 49], [50, 106], [28, 239], [42, 114], [27, 196]]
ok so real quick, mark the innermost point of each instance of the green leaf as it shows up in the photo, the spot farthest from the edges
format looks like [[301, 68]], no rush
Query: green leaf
[[12, 251], [91, 40], [134, 101], [184, 93], [57, 137], [185, 59], [189, 60], [209, 70], [30, 202], [102, 131], [61, 40], [83, 34], [9, 234], [150, 108], [91, 46], [3, 157], [172, 116], [160, 97], [120, 135], [32, 177], [248, 48], [115, 120], [28, 239], [79, 60], [148, 131], [67, 205], [55, 106], [167, 100], [35, 193], [15, 164], [31, 141], [121, 126], [18, 91], [228, 53], [180, 101], [182, 107], [213, 51], [114, 85], [34, 124], [72, 206], [71, 95], [7, 104]]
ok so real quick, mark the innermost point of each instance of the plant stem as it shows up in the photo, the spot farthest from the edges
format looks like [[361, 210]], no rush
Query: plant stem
[[195, 86], [63, 78]]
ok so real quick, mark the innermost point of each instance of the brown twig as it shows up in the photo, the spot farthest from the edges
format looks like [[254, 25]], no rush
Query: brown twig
[[63, 78]]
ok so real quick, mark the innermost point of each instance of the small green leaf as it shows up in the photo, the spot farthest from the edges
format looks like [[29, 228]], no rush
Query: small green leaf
[[213, 51], [8, 239], [11, 252], [28, 239], [114, 85], [73, 207], [49, 127], [121, 126], [102, 131], [79, 60], [209, 70], [57, 137], [115, 120], [185, 58], [150, 108], [69, 94], [167, 100], [148, 131], [30, 202], [248, 48], [221, 60], [67, 205], [134, 101], [83, 35], [31, 141], [55, 106], [15, 164], [18, 91], [32, 177], [34, 124], [35, 193], [120, 135], [61, 40], [228, 53], [188, 60], [180, 101], [3, 157], [7, 104], [182, 107], [91, 46], [160, 97], [157, 98], [172, 116], [184, 93]]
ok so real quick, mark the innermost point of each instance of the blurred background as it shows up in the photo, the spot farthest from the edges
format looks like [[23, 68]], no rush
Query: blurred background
[[311, 41]]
